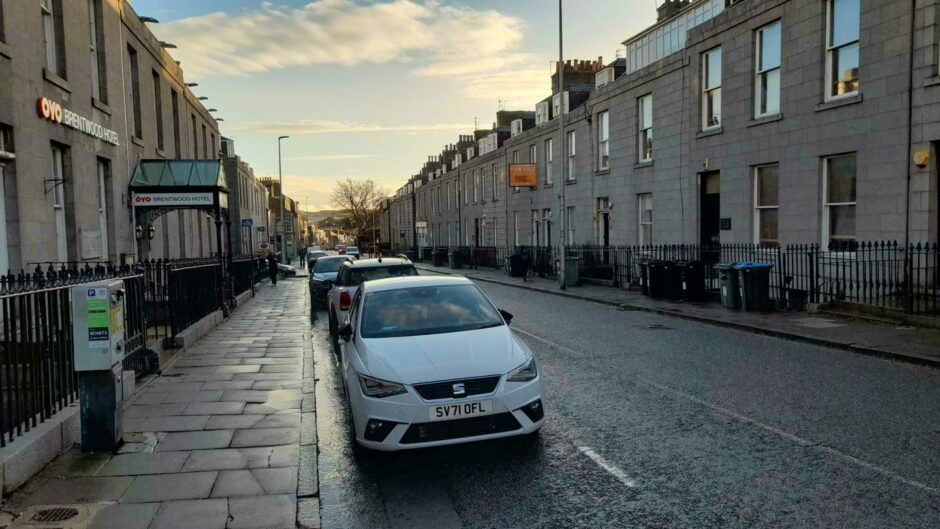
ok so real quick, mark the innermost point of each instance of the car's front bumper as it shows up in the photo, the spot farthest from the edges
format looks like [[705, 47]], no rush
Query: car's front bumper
[[414, 430]]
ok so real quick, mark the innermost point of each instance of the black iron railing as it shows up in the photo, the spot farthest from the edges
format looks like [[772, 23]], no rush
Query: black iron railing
[[37, 376], [193, 292], [245, 273]]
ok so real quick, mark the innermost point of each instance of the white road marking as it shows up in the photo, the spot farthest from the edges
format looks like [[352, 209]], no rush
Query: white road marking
[[611, 469], [764, 426]]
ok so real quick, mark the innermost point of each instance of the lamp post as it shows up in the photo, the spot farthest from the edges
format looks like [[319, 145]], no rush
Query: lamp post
[[280, 184], [561, 134], [375, 239]]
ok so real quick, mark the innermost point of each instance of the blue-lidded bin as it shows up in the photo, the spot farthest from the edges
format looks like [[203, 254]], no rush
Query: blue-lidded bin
[[754, 282]]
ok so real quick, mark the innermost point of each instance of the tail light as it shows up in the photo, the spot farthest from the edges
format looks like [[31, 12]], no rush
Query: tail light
[[344, 300]]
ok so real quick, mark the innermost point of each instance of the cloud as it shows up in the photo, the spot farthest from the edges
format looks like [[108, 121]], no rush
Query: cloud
[[333, 157], [313, 126], [436, 39]]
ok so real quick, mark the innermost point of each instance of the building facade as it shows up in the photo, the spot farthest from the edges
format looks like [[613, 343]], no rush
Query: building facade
[[88, 91], [732, 121], [248, 203]]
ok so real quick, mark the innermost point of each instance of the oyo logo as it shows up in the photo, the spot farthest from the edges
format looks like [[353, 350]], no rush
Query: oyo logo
[[50, 110], [142, 200]]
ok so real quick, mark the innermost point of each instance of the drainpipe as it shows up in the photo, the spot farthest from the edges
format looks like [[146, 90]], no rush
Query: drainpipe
[[907, 161]]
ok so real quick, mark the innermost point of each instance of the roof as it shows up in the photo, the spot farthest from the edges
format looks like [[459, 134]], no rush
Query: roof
[[179, 173], [376, 263], [396, 283]]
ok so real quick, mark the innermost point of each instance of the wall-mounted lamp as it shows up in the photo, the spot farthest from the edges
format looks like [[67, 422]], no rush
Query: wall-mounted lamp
[[151, 231], [138, 232]]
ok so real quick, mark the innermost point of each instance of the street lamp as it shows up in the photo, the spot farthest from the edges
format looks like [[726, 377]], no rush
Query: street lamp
[[564, 149], [280, 183]]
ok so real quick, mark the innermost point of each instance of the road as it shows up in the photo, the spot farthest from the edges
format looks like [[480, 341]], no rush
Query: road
[[654, 422]]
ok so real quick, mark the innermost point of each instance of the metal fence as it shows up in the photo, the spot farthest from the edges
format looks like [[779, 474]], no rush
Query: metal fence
[[37, 376], [245, 273], [193, 292], [881, 274]]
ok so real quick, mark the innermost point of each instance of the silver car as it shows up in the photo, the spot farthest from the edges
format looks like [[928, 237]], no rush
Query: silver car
[[354, 273]]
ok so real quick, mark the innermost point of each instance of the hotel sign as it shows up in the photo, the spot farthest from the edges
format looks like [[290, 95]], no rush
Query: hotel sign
[[172, 199], [54, 112]]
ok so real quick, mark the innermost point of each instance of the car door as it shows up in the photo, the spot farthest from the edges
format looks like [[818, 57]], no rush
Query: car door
[[341, 279], [348, 348]]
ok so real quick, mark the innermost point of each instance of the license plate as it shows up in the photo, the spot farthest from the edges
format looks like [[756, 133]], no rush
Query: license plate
[[460, 410]]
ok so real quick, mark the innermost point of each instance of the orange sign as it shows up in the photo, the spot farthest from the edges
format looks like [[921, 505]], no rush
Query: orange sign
[[522, 175]]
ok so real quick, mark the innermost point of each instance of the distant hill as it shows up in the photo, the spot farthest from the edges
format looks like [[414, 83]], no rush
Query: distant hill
[[317, 216]]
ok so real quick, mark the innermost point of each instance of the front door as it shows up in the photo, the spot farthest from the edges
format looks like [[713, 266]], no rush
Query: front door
[[476, 232], [711, 208]]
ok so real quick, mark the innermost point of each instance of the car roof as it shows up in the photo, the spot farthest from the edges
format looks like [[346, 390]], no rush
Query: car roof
[[377, 263], [396, 283], [332, 257]]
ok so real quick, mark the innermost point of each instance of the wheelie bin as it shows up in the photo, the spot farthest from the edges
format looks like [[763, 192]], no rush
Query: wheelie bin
[[754, 284], [728, 279], [693, 280], [656, 279]]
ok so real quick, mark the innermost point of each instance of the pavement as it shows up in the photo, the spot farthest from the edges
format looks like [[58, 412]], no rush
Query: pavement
[[224, 438], [898, 342], [658, 422]]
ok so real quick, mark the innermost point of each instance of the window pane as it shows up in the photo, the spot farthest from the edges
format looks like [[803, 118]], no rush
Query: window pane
[[845, 69], [770, 47], [841, 222], [841, 183], [767, 185], [845, 21], [770, 92], [713, 116], [646, 113], [713, 68], [768, 226]]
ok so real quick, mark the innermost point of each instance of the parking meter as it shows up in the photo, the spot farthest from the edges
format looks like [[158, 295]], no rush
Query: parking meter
[[98, 330]]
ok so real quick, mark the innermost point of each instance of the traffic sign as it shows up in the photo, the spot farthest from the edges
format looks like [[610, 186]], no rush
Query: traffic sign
[[248, 222]]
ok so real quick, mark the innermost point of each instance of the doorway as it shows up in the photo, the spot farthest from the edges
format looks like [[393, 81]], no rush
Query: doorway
[[711, 209]]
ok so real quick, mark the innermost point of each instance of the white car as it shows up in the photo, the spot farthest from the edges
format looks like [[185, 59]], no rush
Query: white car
[[352, 251], [429, 361]]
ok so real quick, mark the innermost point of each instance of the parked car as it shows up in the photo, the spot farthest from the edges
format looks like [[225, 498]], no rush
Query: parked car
[[352, 274], [352, 251], [322, 277], [284, 270], [313, 256], [429, 361]]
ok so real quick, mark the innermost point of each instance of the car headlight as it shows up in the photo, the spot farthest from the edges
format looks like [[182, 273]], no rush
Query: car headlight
[[523, 373], [374, 387]]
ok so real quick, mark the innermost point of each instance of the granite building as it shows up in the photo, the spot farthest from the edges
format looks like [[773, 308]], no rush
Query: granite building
[[758, 121], [86, 90]]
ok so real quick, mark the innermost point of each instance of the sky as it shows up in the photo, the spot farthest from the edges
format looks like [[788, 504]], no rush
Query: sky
[[368, 89]]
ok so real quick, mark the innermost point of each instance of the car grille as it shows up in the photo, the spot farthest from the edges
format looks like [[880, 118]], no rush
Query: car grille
[[445, 390], [441, 431]]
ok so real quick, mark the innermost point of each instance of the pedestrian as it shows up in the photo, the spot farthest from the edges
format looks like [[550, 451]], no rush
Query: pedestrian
[[272, 268], [303, 258], [377, 251], [525, 262]]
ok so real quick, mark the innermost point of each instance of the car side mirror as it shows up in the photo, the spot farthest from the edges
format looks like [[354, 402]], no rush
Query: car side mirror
[[506, 316], [346, 332]]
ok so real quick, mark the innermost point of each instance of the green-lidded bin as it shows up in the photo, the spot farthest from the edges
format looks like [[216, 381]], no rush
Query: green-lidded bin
[[572, 269], [728, 279]]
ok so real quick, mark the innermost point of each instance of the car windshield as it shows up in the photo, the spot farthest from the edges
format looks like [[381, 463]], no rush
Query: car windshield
[[352, 249], [426, 310], [316, 255], [326, 266], [358, 276]]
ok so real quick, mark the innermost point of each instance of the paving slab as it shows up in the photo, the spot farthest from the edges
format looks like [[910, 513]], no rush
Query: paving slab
[[154, 410], [232, 422], [125, 516], [195, 440], [237, 483], [228, 384], [215, 408], [280, 420], [167, 487], [144, 463], [194, 396], [288, 406], [263, 512], [175, 423], [221, 459], [265, 437], [193, 514], [280, 480], [80, 490]]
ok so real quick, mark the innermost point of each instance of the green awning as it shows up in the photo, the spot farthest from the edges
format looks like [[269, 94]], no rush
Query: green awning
[[179, 173]]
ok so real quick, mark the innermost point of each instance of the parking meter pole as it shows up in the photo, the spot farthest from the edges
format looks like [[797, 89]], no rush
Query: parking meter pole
[[98, 330]]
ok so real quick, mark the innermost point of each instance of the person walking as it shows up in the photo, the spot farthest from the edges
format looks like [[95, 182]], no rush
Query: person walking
[[272, 268], [525, 261], [303, 258]]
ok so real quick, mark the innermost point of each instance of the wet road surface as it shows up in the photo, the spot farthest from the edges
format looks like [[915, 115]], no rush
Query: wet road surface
[[656, 422]]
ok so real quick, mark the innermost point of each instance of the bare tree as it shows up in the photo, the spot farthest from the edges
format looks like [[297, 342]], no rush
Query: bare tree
[[359, 200]]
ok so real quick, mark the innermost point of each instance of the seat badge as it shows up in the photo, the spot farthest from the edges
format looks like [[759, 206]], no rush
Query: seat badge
[[459, 390]]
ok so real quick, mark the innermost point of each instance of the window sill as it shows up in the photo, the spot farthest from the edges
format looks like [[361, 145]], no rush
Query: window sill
[[765, 119], [602, 172], [640, 165], [137, 141], [161, 153], [710, 132], [930, 81], [5, 50], [56, 80], [101, 105], [548, 185], [571, 182], [841, 102]]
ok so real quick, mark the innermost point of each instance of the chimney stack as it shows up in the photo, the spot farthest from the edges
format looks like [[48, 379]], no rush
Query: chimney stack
[[670, 8]]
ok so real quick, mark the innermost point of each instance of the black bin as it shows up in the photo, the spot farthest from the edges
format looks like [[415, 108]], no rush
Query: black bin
[[440, 257], [755, 285], [672, 281], [693, 280], [644, 272], [656, 279], [411, 254], [515, 265]]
